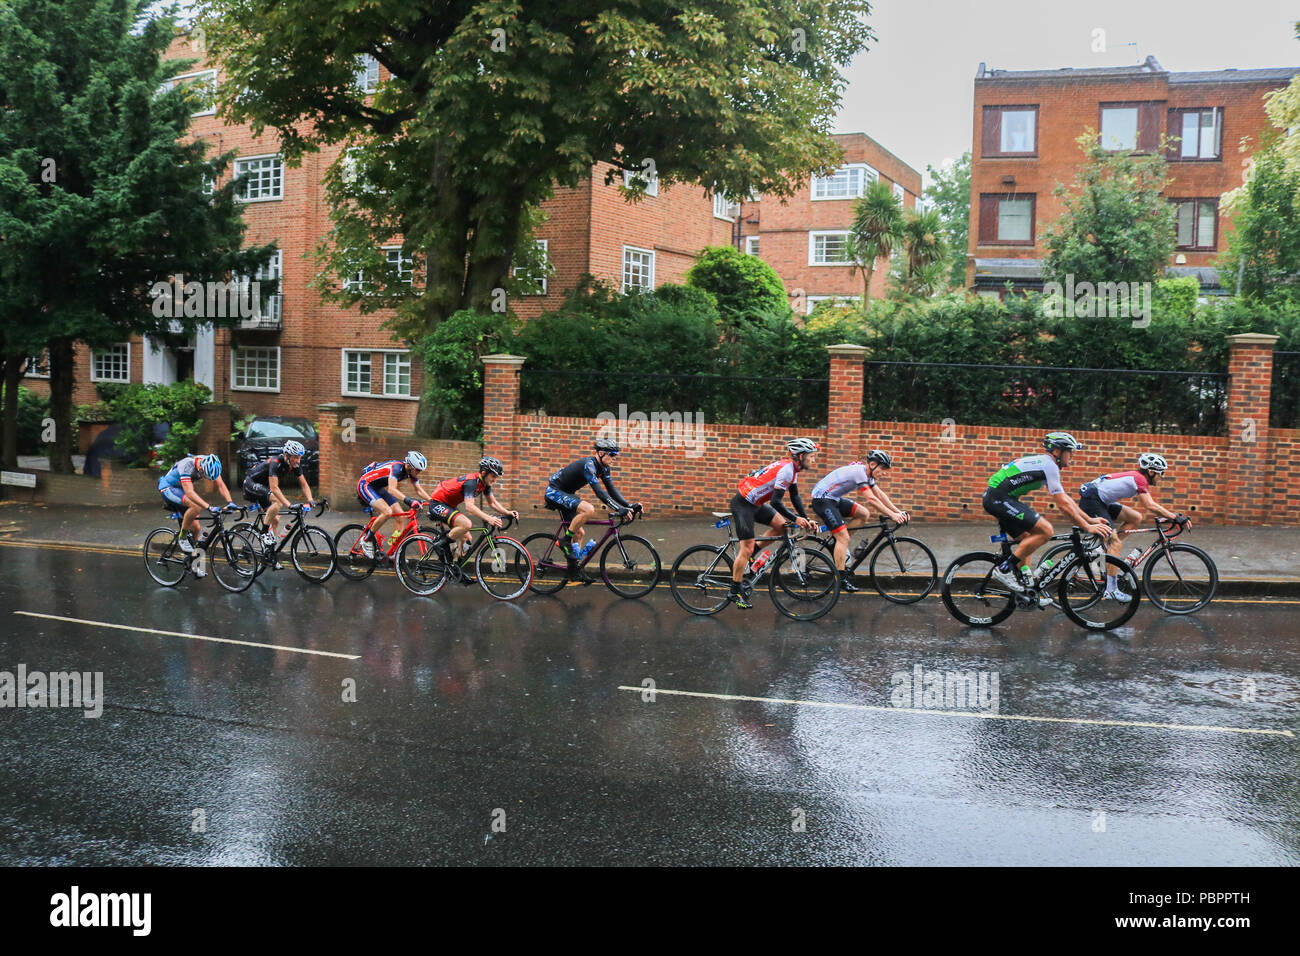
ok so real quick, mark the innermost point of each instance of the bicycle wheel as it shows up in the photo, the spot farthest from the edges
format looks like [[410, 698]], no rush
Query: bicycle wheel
[[261, 545], [234, 559], [700, 578], [630, 566], [550, 570], [1082, 593], [419, 565], [505, 570], [312, 553], [1180, 578], [163, 558], [903, 570], [804, 584], [351, 560], [970, 593]]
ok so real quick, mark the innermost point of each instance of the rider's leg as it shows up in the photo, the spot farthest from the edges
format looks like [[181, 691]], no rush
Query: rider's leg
[[460, 527], [585, 510]]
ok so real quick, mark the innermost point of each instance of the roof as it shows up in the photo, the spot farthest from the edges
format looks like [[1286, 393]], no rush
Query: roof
[[1150, 67], [1280, 74], [998, 271], [1207, 276]]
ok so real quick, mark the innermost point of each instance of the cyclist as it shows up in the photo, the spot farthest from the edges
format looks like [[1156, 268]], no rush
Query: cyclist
[[1026, 526], [451, 495], [758, 498], [378, 488], [262, 486], [561, 496], [829, 501], [177, 490], [1101, 498]]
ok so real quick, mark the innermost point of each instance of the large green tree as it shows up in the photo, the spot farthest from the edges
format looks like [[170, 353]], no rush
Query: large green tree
[[102, 193], [1264, 247], [949, 190], [494, 103]]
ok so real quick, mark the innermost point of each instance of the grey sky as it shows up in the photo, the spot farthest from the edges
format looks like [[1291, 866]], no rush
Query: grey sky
[[912, 91]]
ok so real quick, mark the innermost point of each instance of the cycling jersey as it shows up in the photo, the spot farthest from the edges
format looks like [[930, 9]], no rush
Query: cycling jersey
[[453, 491], [843, 481], [757, 487], [1025, 475], [1111, 488], [379, 472], [278, 466], [588, 471], [187, 469]]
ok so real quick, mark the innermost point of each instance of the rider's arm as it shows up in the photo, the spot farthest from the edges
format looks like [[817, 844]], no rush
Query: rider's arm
[[191, 494], [1075, 513], [589, 471], [497, 505], [306, 488], [885, 500], [221, 487], [781, 509], [797, 501], [273, 484], [613, 492], [1149, 503]]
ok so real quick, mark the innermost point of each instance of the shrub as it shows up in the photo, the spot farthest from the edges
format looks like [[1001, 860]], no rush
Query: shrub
[[743, 286], [453, 372], [140, 407]]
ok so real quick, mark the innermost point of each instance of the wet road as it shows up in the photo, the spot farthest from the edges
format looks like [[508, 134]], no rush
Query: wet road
[[498, 734]]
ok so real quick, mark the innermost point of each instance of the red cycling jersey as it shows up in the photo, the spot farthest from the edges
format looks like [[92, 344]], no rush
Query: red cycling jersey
[[757, 486], [453, 491]]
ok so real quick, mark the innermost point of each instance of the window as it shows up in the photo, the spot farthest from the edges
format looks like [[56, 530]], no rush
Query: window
[[812, 301], [405, 265], [269, 305], [828, 248], [1131, 127], [543, 247], [847, 182], [638, 268], [1010, 131], [356, 373], [651, 184], [751, 245], [255, 370], [356, 282], [1198, 224], [367, 76], [899, 192], [265, 178], [397, 374], [201, 86], [724, 208], [1006, 219], [38, 366], [1199, 134], [112, 364]]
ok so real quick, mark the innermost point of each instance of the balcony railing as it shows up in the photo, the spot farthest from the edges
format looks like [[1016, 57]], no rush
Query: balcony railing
[[269, 319]]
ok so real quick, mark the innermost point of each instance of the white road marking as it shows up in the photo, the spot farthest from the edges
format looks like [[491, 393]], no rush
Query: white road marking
[[960, 713], [192, 637]]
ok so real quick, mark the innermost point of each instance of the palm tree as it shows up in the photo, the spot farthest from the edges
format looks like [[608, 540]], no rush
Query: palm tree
[[876, 232], [926, 253]]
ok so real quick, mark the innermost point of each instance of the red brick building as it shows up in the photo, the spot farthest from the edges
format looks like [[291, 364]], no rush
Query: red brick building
[[1026, 123]]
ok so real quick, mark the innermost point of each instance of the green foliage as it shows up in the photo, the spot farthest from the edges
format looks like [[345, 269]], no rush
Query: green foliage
[[949, 190], [139, 407], [1176, 298], [742, 285], [1264, 246], [32, 410], [241, 423], [453, 371], [876, 232]]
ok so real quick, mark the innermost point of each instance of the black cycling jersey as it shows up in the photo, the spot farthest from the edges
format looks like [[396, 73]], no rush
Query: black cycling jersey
[[588, 471], [279, 466]]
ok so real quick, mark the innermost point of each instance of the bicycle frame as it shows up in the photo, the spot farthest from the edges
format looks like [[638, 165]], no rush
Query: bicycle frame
[[486, 535], [387, 547], [297, 520], [1037, 587], [1163, 537], [787, 538], [884, 531], [611, 525]]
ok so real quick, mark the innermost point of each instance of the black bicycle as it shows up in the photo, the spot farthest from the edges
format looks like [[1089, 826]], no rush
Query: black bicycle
[[231, 553], [311, 549], [977, 599], [901, 569], [501, 565]]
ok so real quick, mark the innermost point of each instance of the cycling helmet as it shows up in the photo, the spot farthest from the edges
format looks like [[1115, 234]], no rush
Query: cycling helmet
[[292, 447], [415, 461], [488, 463], [1152, 462], [801, 446], [607, 444], [210, 465], [1062, 441], [881, 458]]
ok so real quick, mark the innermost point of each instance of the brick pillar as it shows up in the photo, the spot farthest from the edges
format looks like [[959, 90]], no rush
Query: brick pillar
[[335, 479], [844, 410], [1250, 381], [215, 423], [500, 406]]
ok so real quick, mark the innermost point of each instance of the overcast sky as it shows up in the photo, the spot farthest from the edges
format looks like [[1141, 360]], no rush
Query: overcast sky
[[912, 90]]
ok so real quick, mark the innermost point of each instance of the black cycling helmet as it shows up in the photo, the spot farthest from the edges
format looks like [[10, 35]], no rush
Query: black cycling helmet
[[488, 463], [881, 458], [607, 444]]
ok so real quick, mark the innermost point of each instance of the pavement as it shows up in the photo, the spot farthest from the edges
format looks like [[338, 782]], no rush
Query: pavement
[[1250, 559]]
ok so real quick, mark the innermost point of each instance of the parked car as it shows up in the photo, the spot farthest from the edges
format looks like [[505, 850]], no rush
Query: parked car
[[266, 435]]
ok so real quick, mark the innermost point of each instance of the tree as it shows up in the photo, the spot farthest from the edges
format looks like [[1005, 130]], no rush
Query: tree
[[949, 190], [743, 285], [100, 196], [1116, 225], [926, 254], [876, 232], [493, 103], [1264, 247]]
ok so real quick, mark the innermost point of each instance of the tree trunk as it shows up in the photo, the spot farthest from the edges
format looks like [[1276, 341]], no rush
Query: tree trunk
[[868, 272], [62, 380], [9, 452]]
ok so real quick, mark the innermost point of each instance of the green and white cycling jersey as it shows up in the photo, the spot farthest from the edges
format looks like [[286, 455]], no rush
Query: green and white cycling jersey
[[1027, 474]]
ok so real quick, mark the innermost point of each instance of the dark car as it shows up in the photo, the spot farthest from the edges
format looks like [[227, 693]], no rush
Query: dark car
[[266, 435]]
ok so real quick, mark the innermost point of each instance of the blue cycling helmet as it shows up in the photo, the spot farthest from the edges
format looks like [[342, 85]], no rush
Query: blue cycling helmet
[[292, 447], [210, 465]]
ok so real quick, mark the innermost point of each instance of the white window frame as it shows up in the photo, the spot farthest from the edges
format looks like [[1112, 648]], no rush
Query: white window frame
[[370, 372], [652, 183], [96, 375], [820, 188], [176, 81], [405, 264], [752, 245], [812, 247], [899, 192], [724, 208], [361, 77], [274, 269], [623, 286], [44, 360], [383, 377], [242, 160], [234, 354], [545, 245], [810, 302]]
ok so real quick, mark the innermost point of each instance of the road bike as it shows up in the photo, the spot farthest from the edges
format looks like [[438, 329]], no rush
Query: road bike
[[629, 564], [977, 599], [230, 553], [802, 581], [351, 558], [901, 569], [1178, 578], [311, 549], [500, 564]]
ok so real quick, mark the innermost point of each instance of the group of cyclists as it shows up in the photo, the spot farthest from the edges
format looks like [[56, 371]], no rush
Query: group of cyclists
[[760, 498]]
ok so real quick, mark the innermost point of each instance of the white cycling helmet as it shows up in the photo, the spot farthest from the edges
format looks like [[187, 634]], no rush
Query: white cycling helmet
[[1150, 461], [292, 447], [801, 446], [415, 461]]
